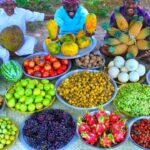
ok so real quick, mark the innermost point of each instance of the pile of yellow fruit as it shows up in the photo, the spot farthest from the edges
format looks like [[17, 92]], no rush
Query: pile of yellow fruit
[[69, 44], [127, 38]]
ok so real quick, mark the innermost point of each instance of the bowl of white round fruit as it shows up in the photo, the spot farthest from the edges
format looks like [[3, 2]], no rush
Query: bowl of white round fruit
[[126, 71]]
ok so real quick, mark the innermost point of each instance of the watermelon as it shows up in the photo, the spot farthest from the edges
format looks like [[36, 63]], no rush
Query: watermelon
[[11, 71]]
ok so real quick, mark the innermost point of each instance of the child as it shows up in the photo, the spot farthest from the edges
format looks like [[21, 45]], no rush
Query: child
[[10, 15], [71, 16]]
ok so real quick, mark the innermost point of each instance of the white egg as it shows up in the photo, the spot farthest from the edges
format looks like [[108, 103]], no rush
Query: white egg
[[131, 64], [134, 76], [123, 77], [124, 69], [111, 64], [119, 61], [141, 70], [113, 72]]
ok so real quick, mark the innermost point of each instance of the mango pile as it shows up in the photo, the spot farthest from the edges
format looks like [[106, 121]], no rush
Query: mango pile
[[128, 38]]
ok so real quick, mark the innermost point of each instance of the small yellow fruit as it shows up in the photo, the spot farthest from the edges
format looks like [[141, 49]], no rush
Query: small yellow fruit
[[48, 40]]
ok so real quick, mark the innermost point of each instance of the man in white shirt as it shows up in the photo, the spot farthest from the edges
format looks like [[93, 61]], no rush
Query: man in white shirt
[[12, 15]]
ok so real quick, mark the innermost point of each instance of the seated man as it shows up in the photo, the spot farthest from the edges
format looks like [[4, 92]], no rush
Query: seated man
[[12, 15], [128, 10], [70, 16]]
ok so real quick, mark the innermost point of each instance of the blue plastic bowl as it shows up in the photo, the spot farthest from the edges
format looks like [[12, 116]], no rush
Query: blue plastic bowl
[[148, 77], [81, 53], [49, 78], [61, 79], [98, 67], [28, 147], [101, 148], [137, 119]]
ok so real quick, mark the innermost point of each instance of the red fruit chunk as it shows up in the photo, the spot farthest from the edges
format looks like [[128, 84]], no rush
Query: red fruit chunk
[[89, 137]]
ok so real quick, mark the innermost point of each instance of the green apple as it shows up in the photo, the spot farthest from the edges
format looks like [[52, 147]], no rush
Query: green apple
[[46, 102], [29, 100], [11, 102], [16, 95], [40, 86], [42, 93], [28, 92], [36, 91], [31, 107], [52, 92], [22, 99], [18, 105], [39, 106], [47, 87], [38, 99], [45, 81], [8, 95], [23, 107], [24, 83]]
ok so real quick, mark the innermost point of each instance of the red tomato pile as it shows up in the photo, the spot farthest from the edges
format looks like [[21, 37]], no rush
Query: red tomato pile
[[140, 133], [102, 129], [45, 66]]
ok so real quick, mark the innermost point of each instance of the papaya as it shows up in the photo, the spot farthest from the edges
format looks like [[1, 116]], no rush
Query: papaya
[[83, 42]]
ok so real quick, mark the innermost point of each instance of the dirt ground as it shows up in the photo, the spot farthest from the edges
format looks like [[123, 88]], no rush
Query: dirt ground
[[41, 32]]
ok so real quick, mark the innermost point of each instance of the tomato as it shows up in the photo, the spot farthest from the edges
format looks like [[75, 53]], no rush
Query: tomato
[[30, 72], [64, 61], [38, 74], [45, 74], [42, 70], [31, 63], [53, 59], [26, 63], [41, 63], [53, 73], [60, 71], [36, 59], [56, 65], [47, 67], [47, 57], [37, 68], [64, 67]]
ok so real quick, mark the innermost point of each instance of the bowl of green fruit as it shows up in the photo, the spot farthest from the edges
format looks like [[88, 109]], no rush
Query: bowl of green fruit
[[8, 133], [30, 95]]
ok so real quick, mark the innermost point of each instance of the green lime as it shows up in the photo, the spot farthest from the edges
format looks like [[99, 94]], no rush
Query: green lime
[[12, 138], [31, 107], [21, 92], [42, 93], [36, 82], [8, 95], [47, 87], [11, 102], [8, 142], [28, 92], [36, 91], [3, 141], [52, 92], [22, 99], [45, 81], [38, 99], [39, 106], [11, 91], [52, 86], [48, 97], [29, 100], [40, 86], [18, 105], [30, 86], [1, 146], [46, 102], [23, 108], [16, 95], [24, 83]]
